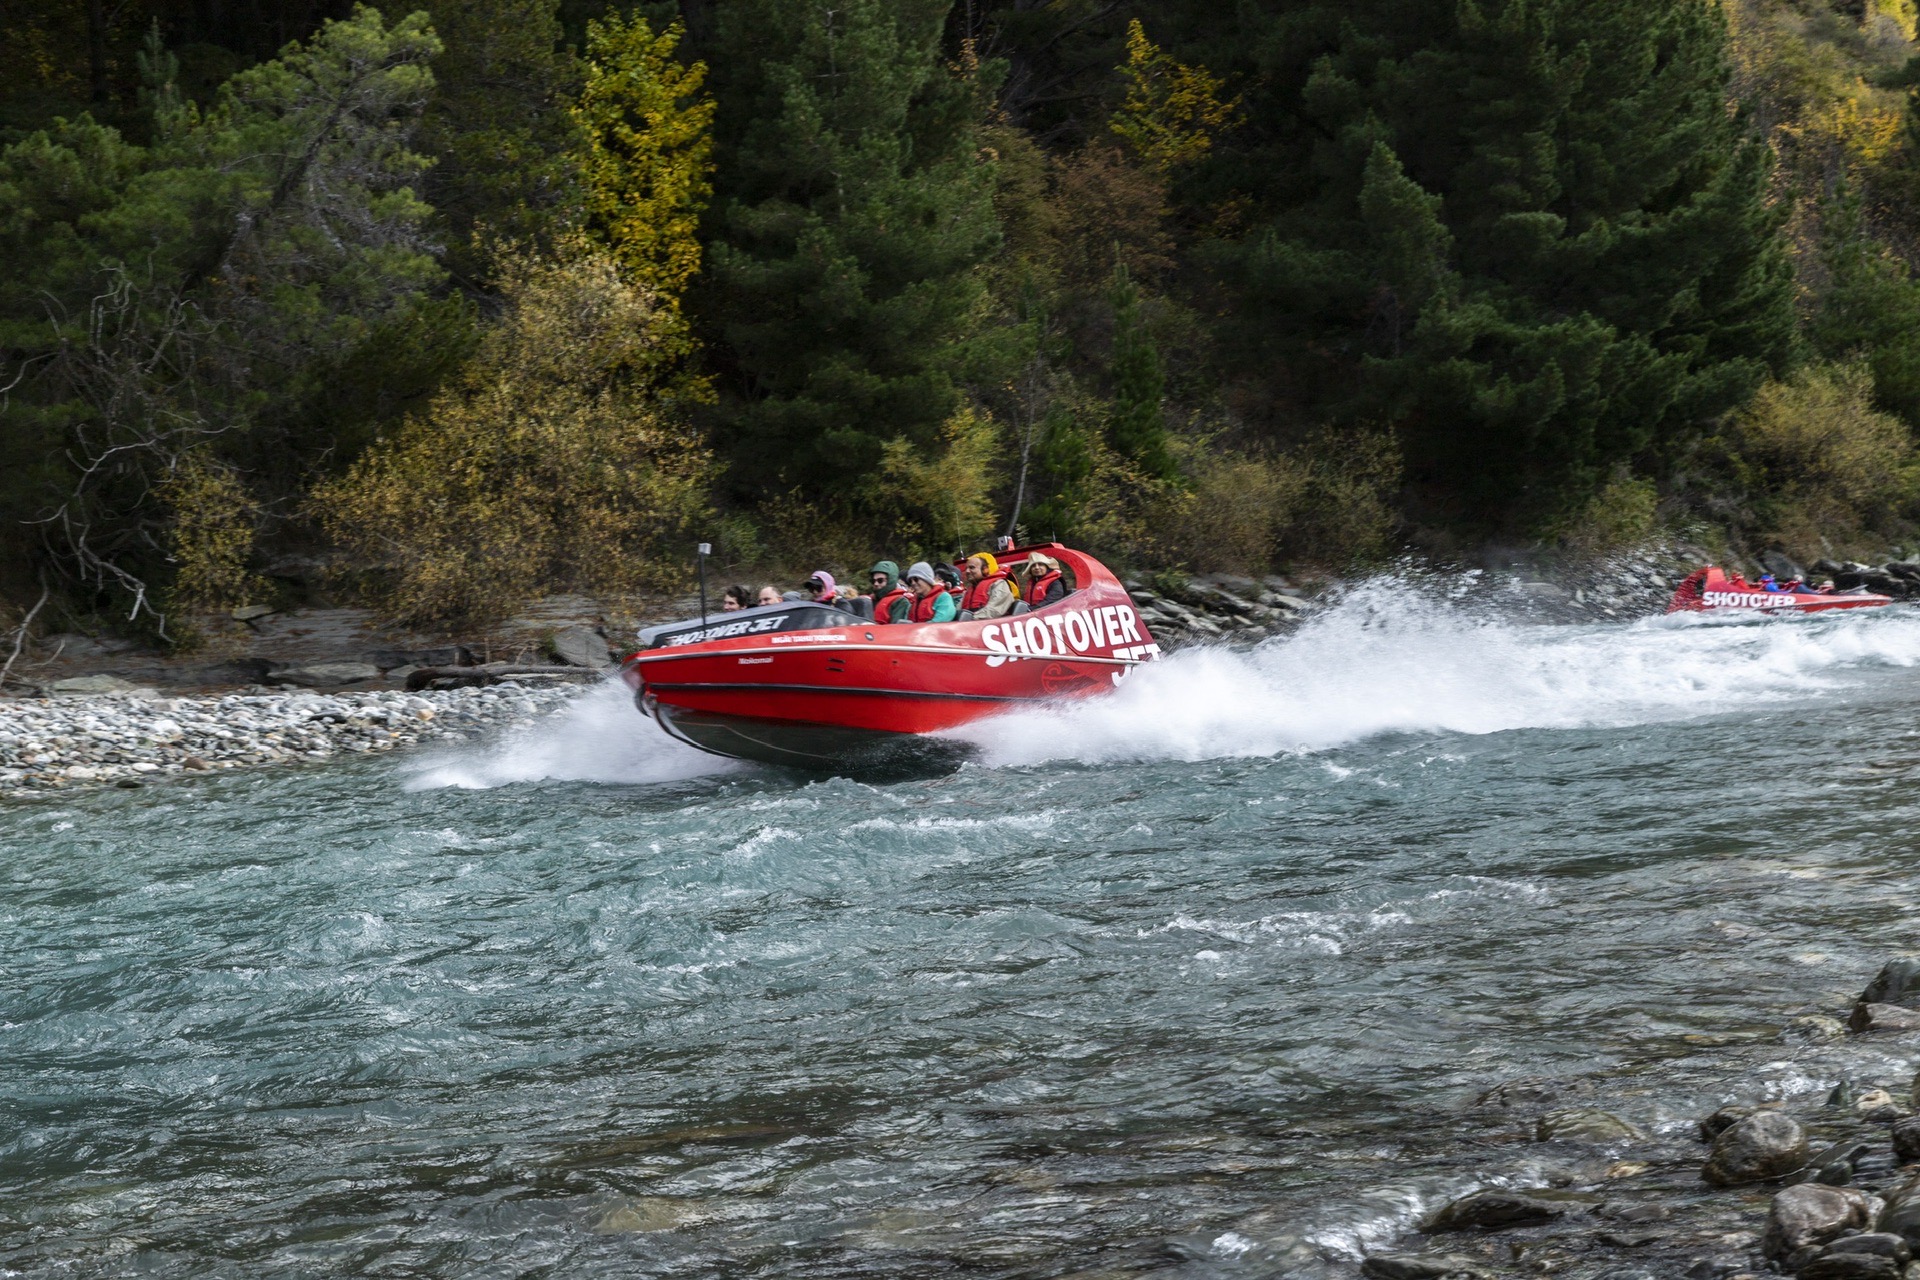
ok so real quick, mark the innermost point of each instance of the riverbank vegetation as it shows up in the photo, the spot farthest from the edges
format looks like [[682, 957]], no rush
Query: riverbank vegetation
[[447, 304]]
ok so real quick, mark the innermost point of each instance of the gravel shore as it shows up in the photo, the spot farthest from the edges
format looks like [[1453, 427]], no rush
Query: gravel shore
[[124, 739]]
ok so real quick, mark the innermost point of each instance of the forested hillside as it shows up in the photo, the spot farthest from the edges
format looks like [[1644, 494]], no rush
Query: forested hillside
[[446, 305]]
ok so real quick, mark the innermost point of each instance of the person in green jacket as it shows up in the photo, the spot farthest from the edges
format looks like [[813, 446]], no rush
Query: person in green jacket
[[930, 602], [890, 598]]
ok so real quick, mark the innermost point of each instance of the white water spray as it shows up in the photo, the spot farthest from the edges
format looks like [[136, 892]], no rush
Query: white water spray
[[1396, 656], [598, 737]]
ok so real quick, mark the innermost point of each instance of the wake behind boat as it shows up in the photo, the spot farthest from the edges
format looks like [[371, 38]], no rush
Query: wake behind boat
[[818, 686], [1712, 590]]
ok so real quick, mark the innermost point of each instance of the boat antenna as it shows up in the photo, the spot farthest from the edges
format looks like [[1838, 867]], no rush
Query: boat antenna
[[706, 549]]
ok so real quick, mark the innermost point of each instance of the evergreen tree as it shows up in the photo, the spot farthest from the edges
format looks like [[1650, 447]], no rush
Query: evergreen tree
[[1870, 309], [1528, 231], [1136, 424], [497, 127], [853, 212]]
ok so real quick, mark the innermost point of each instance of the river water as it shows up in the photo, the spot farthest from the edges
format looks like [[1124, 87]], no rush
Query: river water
[[1200, 979]]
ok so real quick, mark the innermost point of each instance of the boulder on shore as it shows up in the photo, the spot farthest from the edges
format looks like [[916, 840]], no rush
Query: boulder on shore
[[326, 675], [581, 647], [1764, 1146]]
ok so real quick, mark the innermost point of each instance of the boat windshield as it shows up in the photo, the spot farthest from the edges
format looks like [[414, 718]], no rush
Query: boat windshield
[[763, 620]]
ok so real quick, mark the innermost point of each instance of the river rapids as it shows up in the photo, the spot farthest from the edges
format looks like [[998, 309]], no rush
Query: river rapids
[[1198, 979]]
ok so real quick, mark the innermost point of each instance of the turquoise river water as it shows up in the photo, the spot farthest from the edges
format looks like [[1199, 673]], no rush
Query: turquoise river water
[[1194, 980]]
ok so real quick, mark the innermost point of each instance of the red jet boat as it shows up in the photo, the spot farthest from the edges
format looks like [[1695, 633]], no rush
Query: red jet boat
[[1710, 590], [818, 686]]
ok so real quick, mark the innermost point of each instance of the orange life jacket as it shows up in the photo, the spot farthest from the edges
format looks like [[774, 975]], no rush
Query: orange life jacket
[[980, 592], [1038, 588], [921, 610], [883, 604]]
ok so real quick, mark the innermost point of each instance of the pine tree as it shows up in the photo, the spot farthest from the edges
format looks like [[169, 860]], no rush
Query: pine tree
[[853, 212], [497, 126], [1136, 424], [1526, 231]]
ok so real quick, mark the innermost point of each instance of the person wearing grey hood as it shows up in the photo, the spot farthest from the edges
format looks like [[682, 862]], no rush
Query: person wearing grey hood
[[890, 598], [930, 602]]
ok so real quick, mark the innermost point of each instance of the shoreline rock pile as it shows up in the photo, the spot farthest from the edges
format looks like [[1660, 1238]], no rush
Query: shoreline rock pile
[[130, 739], [1183, 610], [1838, 1182]]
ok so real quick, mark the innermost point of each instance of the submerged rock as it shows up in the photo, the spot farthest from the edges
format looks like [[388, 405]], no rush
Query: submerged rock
[[1811, 1214], [1815, 1026], [1492, 1209], [1584, 1124], [1530, 1093], [1883, 1017], [1422, 1266], [1763, 1146]]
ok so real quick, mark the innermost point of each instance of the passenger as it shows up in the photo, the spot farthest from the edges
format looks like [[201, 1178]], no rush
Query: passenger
[[821, 588], [1044, 584], [736, 598], [1770, 583], [950, 583], [930, 603], [890, 597], [990, 591], [771, 595]]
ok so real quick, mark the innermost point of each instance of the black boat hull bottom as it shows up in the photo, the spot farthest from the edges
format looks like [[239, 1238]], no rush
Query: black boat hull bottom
[[819, 748]]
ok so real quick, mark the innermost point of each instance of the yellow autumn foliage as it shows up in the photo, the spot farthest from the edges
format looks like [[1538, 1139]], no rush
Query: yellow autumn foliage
[[545, 466], [1172, 110]]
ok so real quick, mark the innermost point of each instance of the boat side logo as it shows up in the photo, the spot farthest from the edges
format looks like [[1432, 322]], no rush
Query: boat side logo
[[1749, 600], [1065, 633]]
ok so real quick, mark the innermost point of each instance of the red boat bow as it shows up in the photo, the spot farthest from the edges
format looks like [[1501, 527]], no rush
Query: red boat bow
[[819, 687]]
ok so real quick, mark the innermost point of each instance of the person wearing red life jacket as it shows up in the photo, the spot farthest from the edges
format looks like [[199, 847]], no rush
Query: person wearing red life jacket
[[930, 603], [990, 591], [1045, 583], [948, 577], [890, 595]]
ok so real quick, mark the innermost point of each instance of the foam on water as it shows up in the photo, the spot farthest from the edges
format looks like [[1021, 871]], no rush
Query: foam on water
[[1398, 656], [599, 737]]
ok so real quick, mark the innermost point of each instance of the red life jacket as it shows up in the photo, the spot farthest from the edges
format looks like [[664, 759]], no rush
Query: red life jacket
[[977, 595], [883, 604], [1038, 588], [921, 610]]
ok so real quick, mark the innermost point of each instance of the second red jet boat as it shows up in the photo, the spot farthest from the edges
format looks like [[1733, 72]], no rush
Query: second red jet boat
[[1710, 590], [816, 686]]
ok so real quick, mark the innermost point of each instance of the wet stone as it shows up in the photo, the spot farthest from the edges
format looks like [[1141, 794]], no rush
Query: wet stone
[[1906, 1138], [1722, 1120], [1584, 1124], [1812, 1214], [1494, 1209], [1764, 1146], [1530, 1093], [1898, 983], [1422, 1266], [1883, 1017]]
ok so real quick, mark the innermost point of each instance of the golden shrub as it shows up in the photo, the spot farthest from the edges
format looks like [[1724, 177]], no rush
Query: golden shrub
[[1825, 467], [210, 533], [544, 467], [945, 495]]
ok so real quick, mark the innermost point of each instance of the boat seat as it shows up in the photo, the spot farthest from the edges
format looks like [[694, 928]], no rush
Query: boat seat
[[860, 607], [1020, 607]]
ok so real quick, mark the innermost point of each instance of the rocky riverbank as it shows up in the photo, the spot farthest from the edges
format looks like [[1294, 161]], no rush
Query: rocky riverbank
[[132, 739], [1826, 1187]]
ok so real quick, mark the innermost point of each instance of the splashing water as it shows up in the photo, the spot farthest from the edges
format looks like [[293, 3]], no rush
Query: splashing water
[[599, 737], [1394, 657]]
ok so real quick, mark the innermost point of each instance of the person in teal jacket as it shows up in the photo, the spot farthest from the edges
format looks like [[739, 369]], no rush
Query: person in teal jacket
[[930, 602]]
